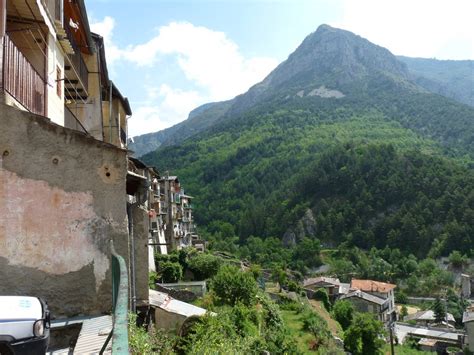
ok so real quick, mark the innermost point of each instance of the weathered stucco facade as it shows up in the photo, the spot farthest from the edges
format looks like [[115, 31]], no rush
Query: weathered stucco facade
[[62, 199]]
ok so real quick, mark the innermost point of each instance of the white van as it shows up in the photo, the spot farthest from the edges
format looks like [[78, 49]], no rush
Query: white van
[[24, 325]]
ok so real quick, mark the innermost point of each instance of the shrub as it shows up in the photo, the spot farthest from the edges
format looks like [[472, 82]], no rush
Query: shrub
[[343, 312], [170, 271], [322, 295], [204, 266], [152, 276], [457, 259], [364, 336], [232, 285], [316, 325], [143, 342], [401, 297]]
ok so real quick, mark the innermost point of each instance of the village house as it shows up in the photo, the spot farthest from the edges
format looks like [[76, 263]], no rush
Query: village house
[[333, 286], [177, 215], [366, 295], [365, 302], [427, 318], [382, 290]]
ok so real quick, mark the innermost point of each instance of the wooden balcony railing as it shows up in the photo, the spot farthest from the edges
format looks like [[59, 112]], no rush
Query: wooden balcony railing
[[21, 80]]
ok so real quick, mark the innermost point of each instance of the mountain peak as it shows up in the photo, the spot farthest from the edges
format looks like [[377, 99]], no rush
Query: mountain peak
[[333, 54]]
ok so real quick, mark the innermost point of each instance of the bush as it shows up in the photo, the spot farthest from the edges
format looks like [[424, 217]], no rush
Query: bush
[[232, 285], [364, 336], [322, 295], [457, 259], [204, 266], [152, 276], [162, 258], [343, 312], [401, 297], [143, 342], [294, 287], [316, 325], [170, 271], [403, 312]]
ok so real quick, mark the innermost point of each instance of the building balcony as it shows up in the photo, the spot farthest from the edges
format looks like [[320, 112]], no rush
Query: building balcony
[[76, 75], [21, 80], [71, 121]]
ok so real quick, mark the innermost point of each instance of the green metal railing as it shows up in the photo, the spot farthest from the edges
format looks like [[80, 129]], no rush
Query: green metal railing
[[119, 333]]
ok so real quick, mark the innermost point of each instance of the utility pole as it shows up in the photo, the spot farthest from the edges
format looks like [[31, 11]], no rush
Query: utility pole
[[392, 347]]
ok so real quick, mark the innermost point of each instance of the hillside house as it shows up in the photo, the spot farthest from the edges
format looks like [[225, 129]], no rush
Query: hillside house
[[365, 302], [382, 290], [177, 215], [333, 286]]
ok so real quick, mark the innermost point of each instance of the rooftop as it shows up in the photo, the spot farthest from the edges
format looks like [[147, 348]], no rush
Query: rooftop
[[372, 286], [169, 304], [427, 316], [321, 279], [365, 296], [468, 316]]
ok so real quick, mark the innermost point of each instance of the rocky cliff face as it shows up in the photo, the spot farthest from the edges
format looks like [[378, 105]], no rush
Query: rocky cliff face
[[306, 227]]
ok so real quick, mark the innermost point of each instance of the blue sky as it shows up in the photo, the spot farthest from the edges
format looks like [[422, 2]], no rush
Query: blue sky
[[169, 57]]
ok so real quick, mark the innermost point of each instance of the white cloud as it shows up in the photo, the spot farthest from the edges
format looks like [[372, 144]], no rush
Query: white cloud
[[164, 107], [208, 59], [421, 28], [105, 28]]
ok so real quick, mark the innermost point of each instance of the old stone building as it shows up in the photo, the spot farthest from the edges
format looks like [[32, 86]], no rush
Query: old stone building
[[64, 172]]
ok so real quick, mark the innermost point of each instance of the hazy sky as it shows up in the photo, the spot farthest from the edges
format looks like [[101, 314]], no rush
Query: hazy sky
[[171, 56]]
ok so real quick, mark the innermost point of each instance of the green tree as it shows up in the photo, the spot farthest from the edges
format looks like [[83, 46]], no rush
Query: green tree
[[307, 250], [231, 285], [364, 335], [279, 275], [403, 312], [439, 310], [343, 312], [204, 266]]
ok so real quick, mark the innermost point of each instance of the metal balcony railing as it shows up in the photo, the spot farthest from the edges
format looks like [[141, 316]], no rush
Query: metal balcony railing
[[21, 80], [71, 121], [123, 136], [80, 75], [119, 333]]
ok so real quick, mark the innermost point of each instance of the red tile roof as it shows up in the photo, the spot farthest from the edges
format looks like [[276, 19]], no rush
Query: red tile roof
[[372, 286]]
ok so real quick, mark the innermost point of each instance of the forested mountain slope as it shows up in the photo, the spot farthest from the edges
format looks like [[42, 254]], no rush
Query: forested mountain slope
[[332, 56], [339, 131], [450, 78]]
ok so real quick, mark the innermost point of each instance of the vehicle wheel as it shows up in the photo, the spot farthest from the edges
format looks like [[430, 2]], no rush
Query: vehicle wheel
[[5, 350]]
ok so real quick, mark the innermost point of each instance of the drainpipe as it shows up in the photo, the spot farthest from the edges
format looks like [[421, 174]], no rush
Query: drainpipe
[[110, 110], [3, 21], [133, 298]]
